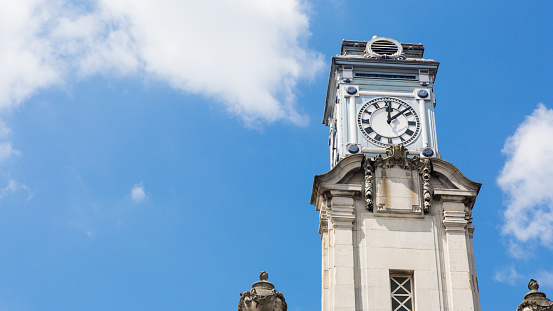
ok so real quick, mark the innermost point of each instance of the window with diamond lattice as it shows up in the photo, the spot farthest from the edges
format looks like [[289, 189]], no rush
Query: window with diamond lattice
[[402, 292]]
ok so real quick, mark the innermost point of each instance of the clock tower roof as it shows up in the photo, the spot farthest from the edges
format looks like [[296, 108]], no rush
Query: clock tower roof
[[353, 47], [377, 57]]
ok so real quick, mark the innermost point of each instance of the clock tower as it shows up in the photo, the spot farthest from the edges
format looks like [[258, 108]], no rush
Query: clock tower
[[380, 93], [395, 219]]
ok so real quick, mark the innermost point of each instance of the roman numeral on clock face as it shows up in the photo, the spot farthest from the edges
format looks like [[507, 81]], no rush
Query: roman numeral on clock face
[[386, 120]]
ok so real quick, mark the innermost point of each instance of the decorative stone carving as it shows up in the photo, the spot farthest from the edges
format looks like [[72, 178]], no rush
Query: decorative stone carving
[[535, 300], [396, 157], [425, 171], [368, 167], [262, 297]]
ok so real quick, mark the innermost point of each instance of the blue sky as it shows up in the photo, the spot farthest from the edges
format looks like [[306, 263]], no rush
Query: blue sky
[[158, 155]]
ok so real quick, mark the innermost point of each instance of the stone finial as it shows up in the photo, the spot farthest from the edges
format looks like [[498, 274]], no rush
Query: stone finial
[[533, 285], [535, 300], [262, 297], [263, 276]]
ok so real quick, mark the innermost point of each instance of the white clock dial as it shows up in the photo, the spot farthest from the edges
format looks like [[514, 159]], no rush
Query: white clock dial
[[387, 120]]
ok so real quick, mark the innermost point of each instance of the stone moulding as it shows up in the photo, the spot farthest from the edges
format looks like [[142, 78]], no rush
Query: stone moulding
[[356, 177], [334, 178], [328, 188]]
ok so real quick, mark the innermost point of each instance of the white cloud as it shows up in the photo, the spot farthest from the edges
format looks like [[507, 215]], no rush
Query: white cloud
[[4, 130], [527, 179], [24, 57], [248, 55], [138, 195], [6, 151], [507, 274], [13, 187]]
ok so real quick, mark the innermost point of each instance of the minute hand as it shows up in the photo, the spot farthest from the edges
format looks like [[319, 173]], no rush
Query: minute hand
[[398, 114]]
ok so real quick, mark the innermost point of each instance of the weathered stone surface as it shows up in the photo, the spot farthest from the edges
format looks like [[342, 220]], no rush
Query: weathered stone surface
[[535, 300], [262, 297], [362, 246]]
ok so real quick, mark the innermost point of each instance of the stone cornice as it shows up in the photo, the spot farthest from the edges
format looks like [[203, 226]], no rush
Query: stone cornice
[[342, 208], [330, 179], [451, 172], [466, 189], [337, 207], [454, 195]]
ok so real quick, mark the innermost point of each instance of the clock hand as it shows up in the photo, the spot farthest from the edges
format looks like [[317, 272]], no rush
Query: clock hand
[[398, 114], [389, 110]]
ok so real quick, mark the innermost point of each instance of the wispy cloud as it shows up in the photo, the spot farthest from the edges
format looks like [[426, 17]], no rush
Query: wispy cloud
[[13, 187], [507, 274], [4, 130], [526, 181], [6, 151], [246, 54], [138, 195]]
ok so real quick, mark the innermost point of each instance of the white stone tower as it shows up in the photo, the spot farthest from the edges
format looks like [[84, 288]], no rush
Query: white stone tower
[[395, 219]]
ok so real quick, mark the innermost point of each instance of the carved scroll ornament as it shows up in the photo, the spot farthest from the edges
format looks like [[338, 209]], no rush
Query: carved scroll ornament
[[425, 170], [368, 167], [396, 155]]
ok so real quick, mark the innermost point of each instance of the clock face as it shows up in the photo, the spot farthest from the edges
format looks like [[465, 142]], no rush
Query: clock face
[[387, 120]]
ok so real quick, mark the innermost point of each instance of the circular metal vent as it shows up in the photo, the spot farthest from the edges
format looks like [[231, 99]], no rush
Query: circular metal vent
[[384, 47]]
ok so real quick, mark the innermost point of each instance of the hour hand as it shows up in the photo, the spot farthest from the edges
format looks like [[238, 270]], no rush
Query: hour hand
[[389, 110], [397, 115]]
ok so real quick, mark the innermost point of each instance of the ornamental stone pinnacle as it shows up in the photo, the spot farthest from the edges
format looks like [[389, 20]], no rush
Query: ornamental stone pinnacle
[[262, 297], [535, 300]]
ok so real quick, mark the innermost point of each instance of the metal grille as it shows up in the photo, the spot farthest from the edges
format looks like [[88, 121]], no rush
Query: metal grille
[[402, 292], [384, 47]]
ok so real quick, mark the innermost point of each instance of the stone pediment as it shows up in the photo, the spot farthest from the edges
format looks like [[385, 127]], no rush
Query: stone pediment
[[452, 174], [397, 182], [339, 177], [458, 185]]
